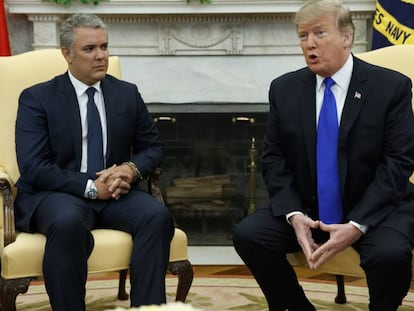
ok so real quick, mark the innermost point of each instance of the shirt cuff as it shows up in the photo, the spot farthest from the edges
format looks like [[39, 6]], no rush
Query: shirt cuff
[[291, 214], [362, 228]]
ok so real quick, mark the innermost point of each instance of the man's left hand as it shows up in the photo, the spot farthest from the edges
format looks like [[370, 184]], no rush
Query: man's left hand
[[340, 237]]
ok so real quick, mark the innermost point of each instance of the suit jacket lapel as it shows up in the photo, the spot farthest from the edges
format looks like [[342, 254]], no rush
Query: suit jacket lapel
[[67, 96], [110, 100], [307, 101], [355, 98]]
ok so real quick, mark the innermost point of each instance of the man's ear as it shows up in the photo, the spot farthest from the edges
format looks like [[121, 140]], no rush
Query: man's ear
[[348, 38], [66, 54]]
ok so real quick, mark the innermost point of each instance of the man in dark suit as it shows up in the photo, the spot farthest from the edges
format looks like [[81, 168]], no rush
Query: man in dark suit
[[373, 159], [68, 187]]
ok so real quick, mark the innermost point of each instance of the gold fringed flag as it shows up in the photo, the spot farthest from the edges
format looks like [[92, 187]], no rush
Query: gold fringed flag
[[393, 23]]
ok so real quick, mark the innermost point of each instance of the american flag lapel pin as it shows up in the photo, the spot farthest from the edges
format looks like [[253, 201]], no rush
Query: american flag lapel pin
[[357, 95]]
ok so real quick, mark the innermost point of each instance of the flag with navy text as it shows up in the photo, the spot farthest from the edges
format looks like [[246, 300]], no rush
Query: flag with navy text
[[393, 23], [4, 34]]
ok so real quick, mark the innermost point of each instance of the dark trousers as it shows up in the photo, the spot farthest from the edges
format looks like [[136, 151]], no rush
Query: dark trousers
[[263, 241], [66, 221]]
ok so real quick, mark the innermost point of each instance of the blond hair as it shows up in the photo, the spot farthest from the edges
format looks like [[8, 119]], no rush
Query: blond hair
[[313, 9]]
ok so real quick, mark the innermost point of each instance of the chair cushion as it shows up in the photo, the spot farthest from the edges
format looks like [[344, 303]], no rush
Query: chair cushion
[[344, 263], [112, 252]]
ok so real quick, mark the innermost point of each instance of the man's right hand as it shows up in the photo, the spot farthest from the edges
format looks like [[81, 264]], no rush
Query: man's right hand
[[302, 225]]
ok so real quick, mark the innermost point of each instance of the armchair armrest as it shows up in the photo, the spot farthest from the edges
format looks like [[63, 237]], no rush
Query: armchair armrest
[[154, 185], [8, 207]]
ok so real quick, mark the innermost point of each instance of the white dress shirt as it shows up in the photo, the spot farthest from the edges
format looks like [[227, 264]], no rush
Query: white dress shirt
[[80, 89], [342, 79]]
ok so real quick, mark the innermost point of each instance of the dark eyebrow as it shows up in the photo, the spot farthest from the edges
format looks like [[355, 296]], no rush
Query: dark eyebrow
[[89, 46]]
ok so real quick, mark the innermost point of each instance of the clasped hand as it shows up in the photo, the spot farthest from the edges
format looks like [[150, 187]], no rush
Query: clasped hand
[[340, 237], [114, 182]]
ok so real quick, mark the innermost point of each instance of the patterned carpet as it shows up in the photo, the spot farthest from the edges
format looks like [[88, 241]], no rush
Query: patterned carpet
[[211, 293]]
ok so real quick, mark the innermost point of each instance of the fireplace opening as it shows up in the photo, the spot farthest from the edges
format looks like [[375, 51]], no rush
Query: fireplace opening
[[211, 176]]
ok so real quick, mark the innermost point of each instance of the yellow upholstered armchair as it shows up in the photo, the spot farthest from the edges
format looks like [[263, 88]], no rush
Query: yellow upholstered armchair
[[22, 253], [399, 58]]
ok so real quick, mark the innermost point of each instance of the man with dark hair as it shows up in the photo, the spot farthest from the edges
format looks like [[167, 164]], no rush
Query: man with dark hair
[[84, 140]]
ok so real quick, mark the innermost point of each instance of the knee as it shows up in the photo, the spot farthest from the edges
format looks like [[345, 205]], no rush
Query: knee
[[66, 225], [69, 235], [388, 258], [158, 220], [161, 216], [243, 235]]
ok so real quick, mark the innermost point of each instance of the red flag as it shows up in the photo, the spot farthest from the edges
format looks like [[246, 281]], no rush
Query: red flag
[[4, 34]]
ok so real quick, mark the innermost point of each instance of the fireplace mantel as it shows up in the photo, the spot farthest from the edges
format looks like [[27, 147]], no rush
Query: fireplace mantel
[[173, 27], [224, 52]]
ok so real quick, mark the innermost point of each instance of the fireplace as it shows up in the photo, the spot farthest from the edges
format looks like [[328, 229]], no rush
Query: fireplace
[[204, 72], [207, 181]]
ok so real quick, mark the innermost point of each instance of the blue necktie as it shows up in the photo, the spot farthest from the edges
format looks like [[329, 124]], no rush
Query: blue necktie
[[95, 140], [329, 190]]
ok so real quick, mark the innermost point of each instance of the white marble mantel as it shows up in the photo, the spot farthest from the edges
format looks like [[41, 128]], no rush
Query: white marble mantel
[[192, 56]]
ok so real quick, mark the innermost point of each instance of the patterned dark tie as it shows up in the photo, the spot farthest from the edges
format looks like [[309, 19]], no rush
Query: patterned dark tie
[[95, 140], [329, 190]]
